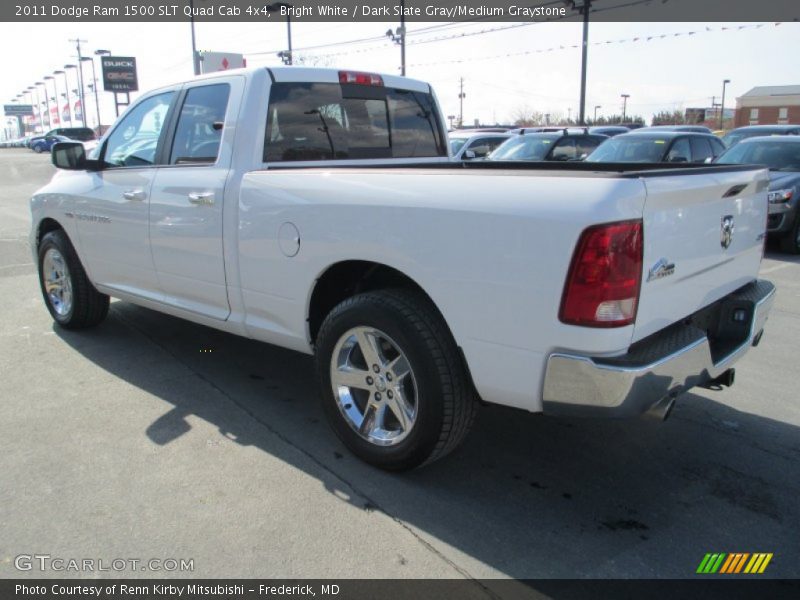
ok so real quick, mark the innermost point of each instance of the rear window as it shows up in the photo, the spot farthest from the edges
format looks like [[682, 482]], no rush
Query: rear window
[[329, 121]]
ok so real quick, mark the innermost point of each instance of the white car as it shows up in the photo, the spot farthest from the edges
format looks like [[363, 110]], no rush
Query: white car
[[471, 145], [330, 220]]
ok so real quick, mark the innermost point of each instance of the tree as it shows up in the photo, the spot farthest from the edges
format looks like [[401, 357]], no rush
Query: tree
[[665, 117], [523, 116]]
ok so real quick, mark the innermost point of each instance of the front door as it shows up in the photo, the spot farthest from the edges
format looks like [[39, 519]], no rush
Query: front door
[[112, 212]]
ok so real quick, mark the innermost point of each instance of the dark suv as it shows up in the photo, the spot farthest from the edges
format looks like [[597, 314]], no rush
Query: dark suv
[[80, 134]]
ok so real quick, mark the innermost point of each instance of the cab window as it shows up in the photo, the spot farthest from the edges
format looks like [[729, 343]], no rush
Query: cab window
[[134, 142], [200, 124]]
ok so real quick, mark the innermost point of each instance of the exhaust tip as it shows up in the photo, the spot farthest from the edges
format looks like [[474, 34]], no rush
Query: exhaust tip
[[661, 409]]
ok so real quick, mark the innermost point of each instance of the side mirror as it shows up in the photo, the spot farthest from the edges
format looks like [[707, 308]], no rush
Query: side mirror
[[71, 156], [469, 154]]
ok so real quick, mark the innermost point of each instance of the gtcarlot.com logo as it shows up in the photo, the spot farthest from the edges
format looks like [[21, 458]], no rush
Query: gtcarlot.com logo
[[46, 562], [723, 563]]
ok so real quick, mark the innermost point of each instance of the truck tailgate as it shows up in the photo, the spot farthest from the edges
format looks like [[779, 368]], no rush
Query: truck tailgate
[[703, 239]]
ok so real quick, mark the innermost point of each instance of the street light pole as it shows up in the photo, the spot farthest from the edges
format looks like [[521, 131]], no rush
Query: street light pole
[[624, 104], [584, 7], [55, 98], [722, 104], [96, 97], [80, 79], [595, 113], [72, 115], [275, 7], [195, 56], [47, 104]]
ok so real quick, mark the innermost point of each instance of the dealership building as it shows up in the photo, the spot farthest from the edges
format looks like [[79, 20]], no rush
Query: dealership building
[[769, 105]]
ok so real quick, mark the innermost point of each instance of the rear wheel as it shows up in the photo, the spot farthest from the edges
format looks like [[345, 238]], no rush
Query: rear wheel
[[394, 387], [70, 297], [790, 242], [38, 149]]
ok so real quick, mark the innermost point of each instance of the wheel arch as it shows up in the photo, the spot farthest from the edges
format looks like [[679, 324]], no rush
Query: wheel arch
[[45, 226], [344, 279]]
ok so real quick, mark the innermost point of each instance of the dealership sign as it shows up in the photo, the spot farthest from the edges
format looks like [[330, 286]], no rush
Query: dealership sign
[[18, 110], [119, 74]]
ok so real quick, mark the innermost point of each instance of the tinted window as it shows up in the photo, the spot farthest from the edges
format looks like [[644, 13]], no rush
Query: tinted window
[[134, 140], [482, 146], [776, 155], [324, 121], [200, 124], [701, 150], [525, 147], [679, 151], [630, 148], [564, 149], [587, 144]]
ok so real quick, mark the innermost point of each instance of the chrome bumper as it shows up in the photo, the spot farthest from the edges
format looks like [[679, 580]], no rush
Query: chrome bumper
[[659, 367]]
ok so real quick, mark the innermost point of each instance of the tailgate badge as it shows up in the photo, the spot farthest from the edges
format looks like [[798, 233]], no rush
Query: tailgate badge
[[726, 235], [663, 268]]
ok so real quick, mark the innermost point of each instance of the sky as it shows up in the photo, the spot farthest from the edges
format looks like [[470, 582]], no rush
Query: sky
[[500, 80]]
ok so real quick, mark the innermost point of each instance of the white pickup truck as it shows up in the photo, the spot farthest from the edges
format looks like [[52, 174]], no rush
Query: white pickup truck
[[318, 210]]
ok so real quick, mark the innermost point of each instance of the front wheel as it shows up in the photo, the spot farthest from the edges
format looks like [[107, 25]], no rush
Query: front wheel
[[393, 384], [38, 149], [790, 242], [72, 300]]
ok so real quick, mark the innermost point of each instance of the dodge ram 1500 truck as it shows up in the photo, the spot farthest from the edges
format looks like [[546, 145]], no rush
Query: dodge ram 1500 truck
[[318, 210]]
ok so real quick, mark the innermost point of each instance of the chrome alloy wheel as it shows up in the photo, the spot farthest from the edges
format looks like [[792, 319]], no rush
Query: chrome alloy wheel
[[57, 282], [374, 386]]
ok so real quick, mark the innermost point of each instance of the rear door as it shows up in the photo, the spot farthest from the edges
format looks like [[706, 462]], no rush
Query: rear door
[[703, 238], [187, 200]]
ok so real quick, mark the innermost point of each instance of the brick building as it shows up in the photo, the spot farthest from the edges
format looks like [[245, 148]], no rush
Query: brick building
[[769, 105]]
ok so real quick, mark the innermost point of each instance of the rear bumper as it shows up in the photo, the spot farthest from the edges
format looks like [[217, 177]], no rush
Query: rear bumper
[[661, 366]]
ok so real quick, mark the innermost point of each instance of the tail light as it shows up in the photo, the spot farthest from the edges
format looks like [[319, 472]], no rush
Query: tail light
[[605, 276], [360, 78]]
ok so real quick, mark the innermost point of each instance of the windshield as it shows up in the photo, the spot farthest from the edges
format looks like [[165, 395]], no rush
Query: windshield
[[636, 148], [456, 144], [778, 156], [734, 137], [524, 147]]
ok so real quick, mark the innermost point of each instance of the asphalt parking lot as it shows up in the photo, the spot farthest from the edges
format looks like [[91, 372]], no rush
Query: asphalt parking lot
[[150, 437]]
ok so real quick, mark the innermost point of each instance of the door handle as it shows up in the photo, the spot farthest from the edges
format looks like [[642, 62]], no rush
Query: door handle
[[206, 198], [134, 195]]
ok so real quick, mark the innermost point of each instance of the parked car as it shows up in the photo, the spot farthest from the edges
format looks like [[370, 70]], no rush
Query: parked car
[[683, 128], [651, 147], [782, 155], [556, 146], [44, 144], [467, 145], [735, 136], [81, 134], [325, 216], [609, 130]]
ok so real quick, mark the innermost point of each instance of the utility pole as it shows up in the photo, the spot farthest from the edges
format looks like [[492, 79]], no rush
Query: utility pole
[[461, 96], [583, 6], [624, 104], [399, 37], [403, 38], [80, 79]]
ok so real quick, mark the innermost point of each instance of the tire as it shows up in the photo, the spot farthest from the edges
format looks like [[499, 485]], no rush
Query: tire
[[72, 300], [790, 242], [38, 149], [418, 404]]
